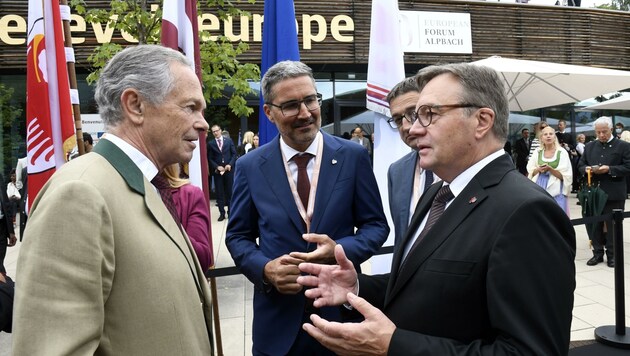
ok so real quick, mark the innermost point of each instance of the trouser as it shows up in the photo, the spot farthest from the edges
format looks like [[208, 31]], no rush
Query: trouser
[[4, 242], [223, 187], [605, 239]]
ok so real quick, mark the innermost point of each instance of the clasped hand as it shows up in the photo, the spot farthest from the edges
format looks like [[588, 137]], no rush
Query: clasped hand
[[283, 271]]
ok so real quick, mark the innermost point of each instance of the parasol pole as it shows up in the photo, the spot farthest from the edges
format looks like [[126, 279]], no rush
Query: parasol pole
[[72, 76]]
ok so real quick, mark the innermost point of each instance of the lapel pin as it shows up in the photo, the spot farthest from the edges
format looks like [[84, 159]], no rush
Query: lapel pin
[[334, 161], [472, 200]]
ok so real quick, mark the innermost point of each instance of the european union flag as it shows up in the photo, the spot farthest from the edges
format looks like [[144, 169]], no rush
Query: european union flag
[[279, 43]]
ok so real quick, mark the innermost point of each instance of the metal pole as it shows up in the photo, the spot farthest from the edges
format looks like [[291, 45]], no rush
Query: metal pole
[[617, 336]]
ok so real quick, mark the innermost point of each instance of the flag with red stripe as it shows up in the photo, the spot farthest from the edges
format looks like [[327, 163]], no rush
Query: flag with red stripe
[[180, 32], [49, 126], [385, 69]]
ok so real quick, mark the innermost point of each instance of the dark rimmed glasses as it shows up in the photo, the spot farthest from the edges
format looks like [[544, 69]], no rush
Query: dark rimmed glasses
[[424, 114], [292, 108]]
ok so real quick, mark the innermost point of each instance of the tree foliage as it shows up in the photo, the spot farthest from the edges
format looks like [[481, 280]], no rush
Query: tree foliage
[[623, 5], [221, 71], [9, 113]]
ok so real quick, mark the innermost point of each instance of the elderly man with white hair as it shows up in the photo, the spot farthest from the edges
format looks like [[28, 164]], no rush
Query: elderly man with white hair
[[608, 159]]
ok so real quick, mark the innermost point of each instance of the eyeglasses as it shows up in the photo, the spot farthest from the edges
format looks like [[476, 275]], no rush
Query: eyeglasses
[[425, 113], [292, 108], [397, 121]]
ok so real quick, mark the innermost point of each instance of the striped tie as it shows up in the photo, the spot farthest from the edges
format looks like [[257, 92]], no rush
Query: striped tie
[[437, 208]]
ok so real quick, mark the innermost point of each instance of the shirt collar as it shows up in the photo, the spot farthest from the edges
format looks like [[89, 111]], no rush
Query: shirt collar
[[461, 181], [148, 169], [289, 151]]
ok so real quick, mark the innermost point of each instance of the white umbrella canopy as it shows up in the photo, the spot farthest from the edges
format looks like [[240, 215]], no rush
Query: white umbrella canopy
[[534, 84], [619, 103]]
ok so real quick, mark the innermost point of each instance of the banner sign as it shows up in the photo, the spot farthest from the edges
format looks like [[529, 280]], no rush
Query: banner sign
[[435, 32]]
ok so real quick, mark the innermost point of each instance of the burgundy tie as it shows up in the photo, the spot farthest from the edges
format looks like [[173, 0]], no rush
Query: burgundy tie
[[303, 183], [164, 188], [437, 208]]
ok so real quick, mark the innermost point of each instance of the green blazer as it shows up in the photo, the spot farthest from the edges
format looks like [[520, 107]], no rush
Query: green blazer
[[104, 269]]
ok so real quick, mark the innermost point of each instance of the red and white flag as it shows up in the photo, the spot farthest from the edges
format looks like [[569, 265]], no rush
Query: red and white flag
[[49, 123], [385, 69], [180, 32]]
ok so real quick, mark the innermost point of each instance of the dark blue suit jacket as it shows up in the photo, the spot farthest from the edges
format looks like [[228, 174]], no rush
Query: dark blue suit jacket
[[263, 207], [216, 157]]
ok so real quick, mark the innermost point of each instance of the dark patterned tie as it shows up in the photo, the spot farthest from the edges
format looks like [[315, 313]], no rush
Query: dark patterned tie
[[437, 208], [428, 179], [303, 183], [164, 188]]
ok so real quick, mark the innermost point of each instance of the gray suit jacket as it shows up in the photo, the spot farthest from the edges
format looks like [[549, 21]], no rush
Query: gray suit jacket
[[400, 189], [104, 269]]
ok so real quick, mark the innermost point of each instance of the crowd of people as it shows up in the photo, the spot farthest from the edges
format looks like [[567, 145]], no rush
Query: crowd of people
[[304, 211]]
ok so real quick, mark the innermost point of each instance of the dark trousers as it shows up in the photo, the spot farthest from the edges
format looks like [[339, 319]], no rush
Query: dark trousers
[[4, 242], [223, 186], [605, 239]]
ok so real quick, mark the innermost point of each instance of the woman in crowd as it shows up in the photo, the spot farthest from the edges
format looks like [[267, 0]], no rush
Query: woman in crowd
[[255, 142], [193, 213], [536, 140], [247, 145], [550, 167]]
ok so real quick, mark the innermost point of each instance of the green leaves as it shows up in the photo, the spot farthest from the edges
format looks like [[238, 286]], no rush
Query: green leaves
[[223, 75]]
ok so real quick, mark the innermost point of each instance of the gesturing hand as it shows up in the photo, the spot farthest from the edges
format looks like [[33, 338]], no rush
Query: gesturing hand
[[370, 337], [331, 283]]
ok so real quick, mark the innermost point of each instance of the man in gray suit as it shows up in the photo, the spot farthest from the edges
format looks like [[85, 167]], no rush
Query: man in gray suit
[[357, 136], [105, 269], [406, 180]]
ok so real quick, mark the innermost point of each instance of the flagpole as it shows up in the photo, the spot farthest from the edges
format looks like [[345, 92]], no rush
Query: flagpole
[[72, 76]]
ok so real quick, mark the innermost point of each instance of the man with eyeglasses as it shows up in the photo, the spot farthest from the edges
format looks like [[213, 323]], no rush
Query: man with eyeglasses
[[406, 180], [296, 198], [487, 264]]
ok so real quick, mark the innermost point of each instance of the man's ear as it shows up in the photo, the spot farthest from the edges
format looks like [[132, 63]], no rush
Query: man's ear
[[485, 121], [133, 105], [267, 110]]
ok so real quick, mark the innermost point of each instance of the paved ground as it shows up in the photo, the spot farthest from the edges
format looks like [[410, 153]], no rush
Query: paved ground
[[594, 295]]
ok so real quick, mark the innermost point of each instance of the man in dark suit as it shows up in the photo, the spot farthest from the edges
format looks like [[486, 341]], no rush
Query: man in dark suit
[[608, 159], [493, 275], [221, 156], [406, 180], [295, 198], [7, 234], [521, 148]]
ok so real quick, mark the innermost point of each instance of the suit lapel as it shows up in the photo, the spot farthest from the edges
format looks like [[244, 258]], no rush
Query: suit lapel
[[138, 183], [272, 169], [463, 205], [408, 171], [332, 163]]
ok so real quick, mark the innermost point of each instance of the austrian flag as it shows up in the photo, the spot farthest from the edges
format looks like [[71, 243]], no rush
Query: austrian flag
[[49, 125]]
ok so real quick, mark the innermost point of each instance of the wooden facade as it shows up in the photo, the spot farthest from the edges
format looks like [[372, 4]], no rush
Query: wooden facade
[[549, 33]]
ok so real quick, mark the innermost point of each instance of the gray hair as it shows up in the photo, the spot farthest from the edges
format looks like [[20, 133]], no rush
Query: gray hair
[[607, 120], [408, 85], [481, 86], [145, 68], [281, 71]]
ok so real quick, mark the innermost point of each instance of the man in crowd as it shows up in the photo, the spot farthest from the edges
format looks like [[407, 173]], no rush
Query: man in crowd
[[357, 136], [463, 281], [521, 148], [7, 232], [295, 198], [114, 274], [406, 180], [221, 153], [608, 159]]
